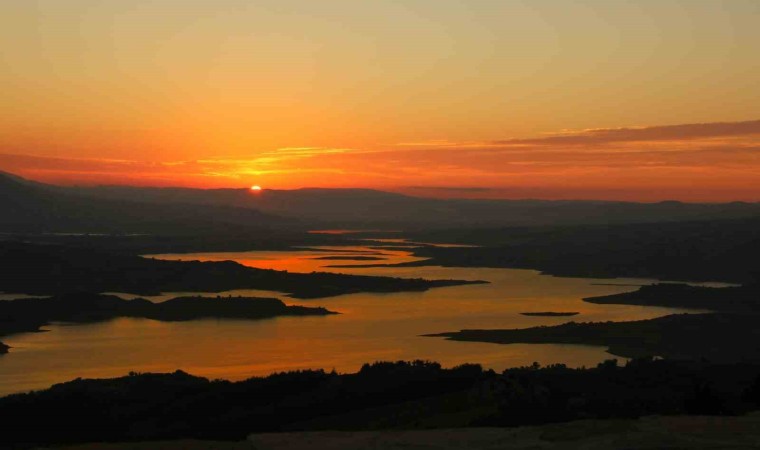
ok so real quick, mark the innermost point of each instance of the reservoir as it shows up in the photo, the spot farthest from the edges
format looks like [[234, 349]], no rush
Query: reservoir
[[371, 327]]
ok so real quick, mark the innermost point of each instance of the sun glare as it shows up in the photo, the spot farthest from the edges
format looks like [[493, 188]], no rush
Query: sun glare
[[256, 188]]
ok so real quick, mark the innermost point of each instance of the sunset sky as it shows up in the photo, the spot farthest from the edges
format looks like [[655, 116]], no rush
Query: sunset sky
[[644, 100]]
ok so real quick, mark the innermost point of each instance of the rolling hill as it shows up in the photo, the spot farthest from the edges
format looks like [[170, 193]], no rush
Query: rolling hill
[[93, 208], [35, 207]]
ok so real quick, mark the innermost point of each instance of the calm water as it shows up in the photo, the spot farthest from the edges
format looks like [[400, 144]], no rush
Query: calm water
[[371, 326]]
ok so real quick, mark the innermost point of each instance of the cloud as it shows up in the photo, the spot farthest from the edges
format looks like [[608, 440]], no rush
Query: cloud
[[677, 135], [696, 160], [686, 132], [203, 172]]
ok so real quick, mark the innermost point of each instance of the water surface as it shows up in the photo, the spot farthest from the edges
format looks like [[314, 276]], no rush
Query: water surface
[[370, 327]]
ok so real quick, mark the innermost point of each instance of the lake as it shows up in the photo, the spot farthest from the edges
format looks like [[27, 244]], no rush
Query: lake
[[370, 327]]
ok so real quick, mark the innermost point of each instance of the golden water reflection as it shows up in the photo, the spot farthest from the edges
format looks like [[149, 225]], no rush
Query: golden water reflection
[[371, 327]]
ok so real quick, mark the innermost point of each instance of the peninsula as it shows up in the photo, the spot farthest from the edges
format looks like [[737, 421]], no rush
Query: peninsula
[[29, 314], [43, 269]]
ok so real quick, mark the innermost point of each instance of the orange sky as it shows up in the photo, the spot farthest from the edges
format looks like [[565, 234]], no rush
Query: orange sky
[[545, 99]]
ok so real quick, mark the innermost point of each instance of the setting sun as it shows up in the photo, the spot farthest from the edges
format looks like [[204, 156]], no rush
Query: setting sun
[[502, 213]]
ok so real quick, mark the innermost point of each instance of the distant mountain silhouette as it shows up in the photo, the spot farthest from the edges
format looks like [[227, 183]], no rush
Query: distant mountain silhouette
[[35, 207], [108, 207], [367, 208]]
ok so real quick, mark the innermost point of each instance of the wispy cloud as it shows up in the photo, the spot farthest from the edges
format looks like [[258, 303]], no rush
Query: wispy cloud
[[641, 139], [226, 171], [695, 160], [685, 132]]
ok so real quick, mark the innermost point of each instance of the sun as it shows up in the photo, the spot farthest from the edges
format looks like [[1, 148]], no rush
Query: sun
[[255, 188]]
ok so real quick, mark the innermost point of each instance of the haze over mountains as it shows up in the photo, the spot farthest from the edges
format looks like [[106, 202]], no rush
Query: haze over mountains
[[35, 207], [32, 206]]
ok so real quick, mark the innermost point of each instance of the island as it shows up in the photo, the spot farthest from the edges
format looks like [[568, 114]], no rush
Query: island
[[728, 332], [744, 298], [725, 337], [549, 314], [30, 314], [45, 269]]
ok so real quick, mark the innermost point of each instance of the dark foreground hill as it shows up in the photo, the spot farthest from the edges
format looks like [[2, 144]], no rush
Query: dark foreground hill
[[380, 396], [647, 433]]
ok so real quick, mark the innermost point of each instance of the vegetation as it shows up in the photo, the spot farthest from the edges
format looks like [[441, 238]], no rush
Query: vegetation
[[379, 396]]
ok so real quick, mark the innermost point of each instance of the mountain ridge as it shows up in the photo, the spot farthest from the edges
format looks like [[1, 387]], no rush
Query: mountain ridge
[[370, 208]]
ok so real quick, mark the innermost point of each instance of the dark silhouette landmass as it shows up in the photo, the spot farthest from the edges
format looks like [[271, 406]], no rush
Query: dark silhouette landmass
[[185, 240], [705, 250], [44, 207], [741, 298], [645, 433], [56, 240], [51, 269], [401, 395], [666, 240], [550, 314], [29, 314], [714, 337], [373, 209], [729, 335], [35, 207]]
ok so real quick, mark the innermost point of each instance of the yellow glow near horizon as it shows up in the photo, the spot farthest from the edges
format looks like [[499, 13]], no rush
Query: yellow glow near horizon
[[255, 188], [383, 94]]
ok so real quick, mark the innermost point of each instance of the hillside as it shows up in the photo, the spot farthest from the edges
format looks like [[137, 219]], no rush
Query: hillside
[[649, 433], [368, 208], [378, 398], [33, 207]]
